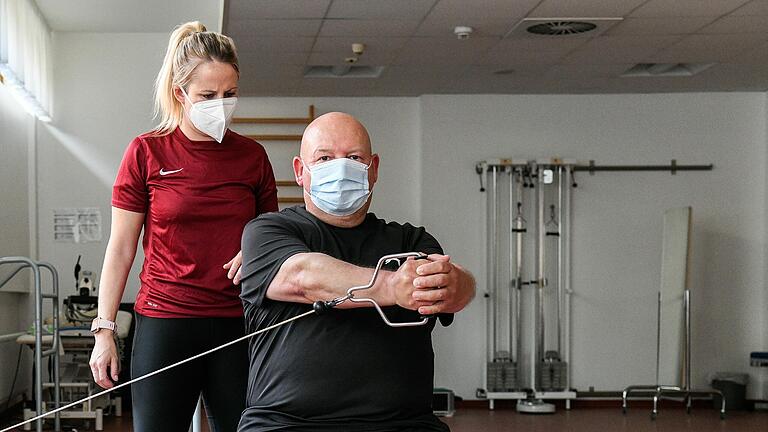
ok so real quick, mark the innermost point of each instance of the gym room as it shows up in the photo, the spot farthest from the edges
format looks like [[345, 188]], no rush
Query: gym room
[[200, 203]]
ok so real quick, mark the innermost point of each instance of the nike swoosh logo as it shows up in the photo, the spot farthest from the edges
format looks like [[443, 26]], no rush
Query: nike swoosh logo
[[165, 173]]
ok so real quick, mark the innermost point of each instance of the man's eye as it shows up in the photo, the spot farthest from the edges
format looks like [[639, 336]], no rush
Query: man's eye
[[325, 158], [354, 157]]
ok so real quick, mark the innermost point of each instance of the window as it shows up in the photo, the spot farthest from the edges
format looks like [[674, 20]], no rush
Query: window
[[25, 55]]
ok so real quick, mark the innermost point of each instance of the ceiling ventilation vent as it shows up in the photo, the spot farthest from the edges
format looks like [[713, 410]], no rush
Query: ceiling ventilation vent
[[641, 70], [343, 71], [561, 27]]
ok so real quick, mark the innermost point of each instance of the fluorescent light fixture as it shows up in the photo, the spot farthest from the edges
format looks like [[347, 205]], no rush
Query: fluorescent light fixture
[[22, 95]]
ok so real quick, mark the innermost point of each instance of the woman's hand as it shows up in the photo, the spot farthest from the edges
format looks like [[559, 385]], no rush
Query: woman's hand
[[105, 365], [234, 268]]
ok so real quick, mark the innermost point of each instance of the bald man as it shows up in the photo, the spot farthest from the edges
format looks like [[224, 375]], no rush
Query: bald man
[[345, 370]]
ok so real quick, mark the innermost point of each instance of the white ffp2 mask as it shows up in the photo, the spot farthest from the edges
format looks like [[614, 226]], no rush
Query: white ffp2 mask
[[340, 186], [212, 117]]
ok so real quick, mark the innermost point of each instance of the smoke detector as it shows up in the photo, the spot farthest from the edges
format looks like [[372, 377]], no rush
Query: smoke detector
[[463, 32], [562, 27]]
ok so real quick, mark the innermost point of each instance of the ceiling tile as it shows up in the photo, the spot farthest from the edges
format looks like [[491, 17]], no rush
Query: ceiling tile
[[519, 70], [259, 9], [409, 72], [737, 24], [268, 87], [585, 8], [659, 26], [342, 46], [686, 8], [588, 70], [512, 59], [486, 9], [436, 25], [357, 27], [335, 86], [620, 49], [440, 51], [755, 7], [736, 77], [757, 55], [380, 9], [538, 44], [275, 57], [709, 48], [367, 59], [249, 42], [265, 70], [276, 27]]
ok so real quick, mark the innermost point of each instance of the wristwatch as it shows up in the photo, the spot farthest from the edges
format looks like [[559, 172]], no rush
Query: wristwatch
[[101, 323]]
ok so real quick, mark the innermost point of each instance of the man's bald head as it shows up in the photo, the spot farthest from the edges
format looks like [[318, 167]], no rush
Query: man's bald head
[[333, 136], [334, 132]]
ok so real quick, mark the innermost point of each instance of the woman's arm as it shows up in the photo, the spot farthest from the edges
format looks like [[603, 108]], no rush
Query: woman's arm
[[118, 259]]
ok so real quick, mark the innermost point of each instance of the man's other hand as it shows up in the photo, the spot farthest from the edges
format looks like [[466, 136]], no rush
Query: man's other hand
[[446, 287]]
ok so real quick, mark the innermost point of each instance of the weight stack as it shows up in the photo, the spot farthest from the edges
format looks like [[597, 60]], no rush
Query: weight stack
[[553, 375], [502, 374]]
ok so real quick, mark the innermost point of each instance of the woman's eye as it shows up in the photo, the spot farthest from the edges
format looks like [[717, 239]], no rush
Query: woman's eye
[[229, 95]]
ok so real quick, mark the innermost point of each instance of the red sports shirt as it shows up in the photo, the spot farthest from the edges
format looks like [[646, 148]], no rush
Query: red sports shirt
[[197, 197]]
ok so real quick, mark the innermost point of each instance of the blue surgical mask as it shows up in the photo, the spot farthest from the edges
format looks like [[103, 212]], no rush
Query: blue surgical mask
[[340, 186]]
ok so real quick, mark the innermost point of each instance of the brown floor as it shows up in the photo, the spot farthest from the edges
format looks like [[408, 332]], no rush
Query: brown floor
[[606, 420], [575, 420]]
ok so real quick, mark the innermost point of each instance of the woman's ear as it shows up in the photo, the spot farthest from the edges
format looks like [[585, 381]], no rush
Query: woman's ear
[[178, 94]]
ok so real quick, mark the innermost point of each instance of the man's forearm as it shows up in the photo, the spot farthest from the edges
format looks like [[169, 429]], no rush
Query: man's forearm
[[308, 277]]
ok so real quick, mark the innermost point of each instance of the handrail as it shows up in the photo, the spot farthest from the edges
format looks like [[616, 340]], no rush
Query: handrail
[[38, 328], [7, 279]]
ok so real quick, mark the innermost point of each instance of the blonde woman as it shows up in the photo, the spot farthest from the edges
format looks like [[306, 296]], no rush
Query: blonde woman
[[191, 185]]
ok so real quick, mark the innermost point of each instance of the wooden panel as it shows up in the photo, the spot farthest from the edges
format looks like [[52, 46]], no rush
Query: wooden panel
[[290, 200], [278, 120], [286, 183]]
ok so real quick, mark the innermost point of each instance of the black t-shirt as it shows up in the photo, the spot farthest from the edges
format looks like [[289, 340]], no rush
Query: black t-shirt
[[345, 370]]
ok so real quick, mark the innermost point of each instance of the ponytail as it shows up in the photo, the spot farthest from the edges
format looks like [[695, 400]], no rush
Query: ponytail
[[190, 45]]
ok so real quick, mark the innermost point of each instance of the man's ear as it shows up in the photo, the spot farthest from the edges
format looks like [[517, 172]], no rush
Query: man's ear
[[298, 171], [374, 169]]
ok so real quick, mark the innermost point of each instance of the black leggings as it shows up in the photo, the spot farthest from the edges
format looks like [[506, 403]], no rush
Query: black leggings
[[166, 402]]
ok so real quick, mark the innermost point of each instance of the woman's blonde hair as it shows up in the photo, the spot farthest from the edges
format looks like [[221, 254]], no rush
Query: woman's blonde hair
[[189, 46]]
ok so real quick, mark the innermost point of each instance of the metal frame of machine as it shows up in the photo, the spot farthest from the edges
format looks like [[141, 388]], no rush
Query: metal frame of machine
[[502, 319], [537, 174]]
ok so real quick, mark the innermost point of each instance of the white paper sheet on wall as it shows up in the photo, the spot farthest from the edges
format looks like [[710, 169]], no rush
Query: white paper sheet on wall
[[77, 225]]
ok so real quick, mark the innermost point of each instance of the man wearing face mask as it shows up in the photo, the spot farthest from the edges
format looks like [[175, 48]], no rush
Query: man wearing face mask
[[344, 370]]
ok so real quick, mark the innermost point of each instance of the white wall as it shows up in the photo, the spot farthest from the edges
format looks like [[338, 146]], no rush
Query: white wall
[[16, 144], [429, 146], [617, 220], [103, 86]]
